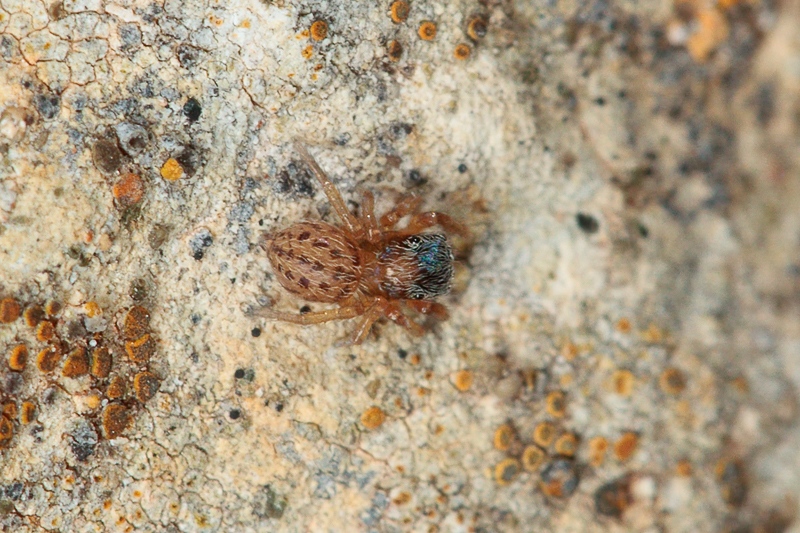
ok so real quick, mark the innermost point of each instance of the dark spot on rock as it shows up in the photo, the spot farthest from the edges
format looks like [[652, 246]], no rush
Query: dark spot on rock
[[613, 498], [190, 159], [187, 55], [106, 155], [199, 242], [138, 290], [268, 504], [600, 101], [255, 332], [587, 223], [279, 406], [234, 414], [414, 178], [401, 353], [399, 130], [192, 110], [13, 491], [130, 35], [133, 138], [462, 168], [11, 383], [157, 236], [239, 373], [83, 439], [48, 105]]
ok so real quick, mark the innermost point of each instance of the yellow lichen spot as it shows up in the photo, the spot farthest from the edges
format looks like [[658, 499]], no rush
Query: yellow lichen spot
[[307, 52], [712, 30], [171, 170], [477, 26], [544, 433], [683, 468], [622, 382], [116, 388], [402, 498], [394, 50], [101, 362], [653, 334], [77, 364], [48, 358], [462, 380], [569, 351], [136, 323], [116, 419], [623, 325], [566, 445], [6, 431], [462, 51], [672, 381], [319, 30], [9, 310], [18, 358], [556, 404], [33, 315], [506, 471], [128, 190], [246, 24], [10, 410], [399, 11], [427, 30], [45, 331], [414, 359], [626, 446], [373, 417], [503, 437], [141, 350], [598, 446], [27, 413], [52, 308], [532, 458]]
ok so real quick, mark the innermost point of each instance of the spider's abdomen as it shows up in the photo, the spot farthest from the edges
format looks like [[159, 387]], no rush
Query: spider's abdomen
[[316, 261]]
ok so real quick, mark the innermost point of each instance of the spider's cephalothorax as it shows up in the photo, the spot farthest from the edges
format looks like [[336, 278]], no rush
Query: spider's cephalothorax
[[368, 267], [418, 267]]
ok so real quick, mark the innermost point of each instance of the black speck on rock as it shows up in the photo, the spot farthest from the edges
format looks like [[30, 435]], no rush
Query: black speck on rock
[[587, 223], [83, 439], [198, 244], [48, 105], [192, 110], [268, 504]]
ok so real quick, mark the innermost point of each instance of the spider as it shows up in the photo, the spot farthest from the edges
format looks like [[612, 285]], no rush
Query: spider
[[367, 266]]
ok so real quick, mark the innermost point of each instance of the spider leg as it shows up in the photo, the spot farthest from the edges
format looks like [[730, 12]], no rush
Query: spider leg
[[395, 313], [425, 307], [406, 206], [351, 223], [368, 221], [317, 317], [422, 221], [375, 311]]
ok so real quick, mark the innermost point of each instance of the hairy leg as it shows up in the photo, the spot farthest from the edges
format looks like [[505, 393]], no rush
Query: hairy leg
[[351, 223], [395, 313], [375, 311], [368, 221], [432, 218], [406, 206], [425, 307]]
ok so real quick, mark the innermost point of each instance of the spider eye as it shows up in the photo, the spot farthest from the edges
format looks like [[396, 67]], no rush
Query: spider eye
[[413, 241], [418, 296]]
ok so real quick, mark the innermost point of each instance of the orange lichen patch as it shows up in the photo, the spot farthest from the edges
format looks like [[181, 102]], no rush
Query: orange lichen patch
[[477, 26], [399, 11], [533, 458], [33, 315], [506, 471], [569, 351], [544, 433], [556, 404], [653, 334], [672, 381], [622, 382], [741, 385], [6, 430], [92, 309], [9, 310], [116, 419], [27, 413], [318, 30], [136, 323], [101, 362], [45, 331], [373, 417], [712, 30], [10, 410], [414, 359], [18, 358], [47, 359], [171, 170], [142, 349], [684, 468], [427, 30], [116, 388], [598, 446], [307, 52], [503, 437], [394, 50], [145, 384], [566, 445], [462, 51], [402, 498], [52, 308], [462, 380], [128, 190], [77, 363], [626, 446], [623, 325]]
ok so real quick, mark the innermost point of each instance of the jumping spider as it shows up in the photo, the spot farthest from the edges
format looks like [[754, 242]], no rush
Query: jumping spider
[[368, 267]]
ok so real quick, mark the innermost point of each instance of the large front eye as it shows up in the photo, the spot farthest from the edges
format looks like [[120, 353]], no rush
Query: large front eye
[[413, 241]]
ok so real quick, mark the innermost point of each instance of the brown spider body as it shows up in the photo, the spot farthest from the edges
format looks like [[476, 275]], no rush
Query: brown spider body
[[367, 267]]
